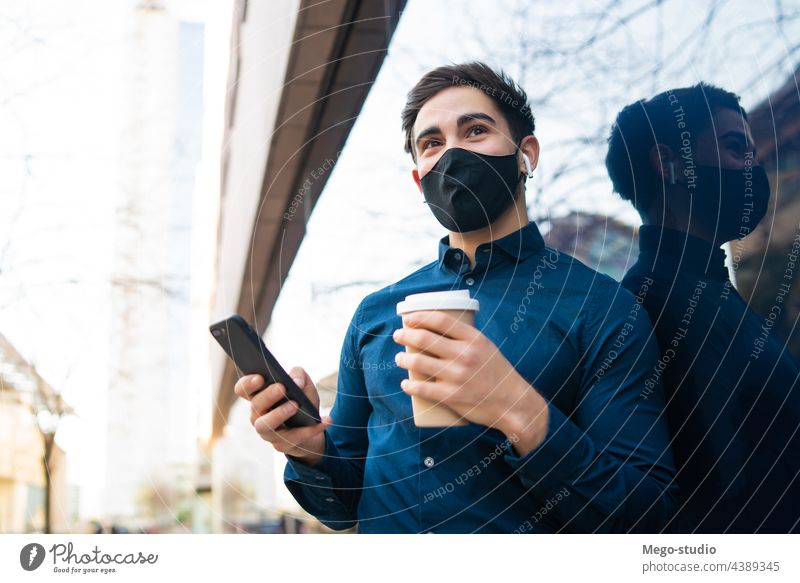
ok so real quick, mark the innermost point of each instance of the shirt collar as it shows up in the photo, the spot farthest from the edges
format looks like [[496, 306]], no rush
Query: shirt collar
[[518, 245], [680, 251]]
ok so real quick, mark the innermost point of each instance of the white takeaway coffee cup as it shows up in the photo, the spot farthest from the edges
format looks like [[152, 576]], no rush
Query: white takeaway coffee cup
[[458, 304]]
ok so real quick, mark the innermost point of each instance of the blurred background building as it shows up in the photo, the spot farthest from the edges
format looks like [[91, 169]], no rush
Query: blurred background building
[[34, 495], [601, 242], [152, 407]]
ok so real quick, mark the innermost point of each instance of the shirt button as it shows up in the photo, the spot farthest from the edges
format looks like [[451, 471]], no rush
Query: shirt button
[[320, 477], [470, 281], [428, 461], [457, 255], [328, 499]]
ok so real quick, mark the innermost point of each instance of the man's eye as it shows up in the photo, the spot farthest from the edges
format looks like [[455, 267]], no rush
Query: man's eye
[[737, 147], [476, 130], [428, 143]]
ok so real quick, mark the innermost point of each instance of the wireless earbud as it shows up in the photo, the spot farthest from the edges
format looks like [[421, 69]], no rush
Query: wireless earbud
[[527, 164], [671, 166]]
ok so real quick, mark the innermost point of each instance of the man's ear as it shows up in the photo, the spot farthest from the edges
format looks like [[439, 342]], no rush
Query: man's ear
[[529, 146], [661, 156], [415, 176]]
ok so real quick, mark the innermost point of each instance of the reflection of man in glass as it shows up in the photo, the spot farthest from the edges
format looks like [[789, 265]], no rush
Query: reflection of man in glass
[[686, 160]]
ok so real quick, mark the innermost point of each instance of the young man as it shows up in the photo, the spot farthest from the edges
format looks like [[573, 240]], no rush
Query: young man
[[549, 379], [687, 162]]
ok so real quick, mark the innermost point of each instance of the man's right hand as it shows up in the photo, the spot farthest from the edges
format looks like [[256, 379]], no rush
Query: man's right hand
[[304, 443]]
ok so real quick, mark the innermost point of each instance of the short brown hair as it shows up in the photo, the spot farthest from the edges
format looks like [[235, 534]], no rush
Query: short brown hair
[[511, 99]]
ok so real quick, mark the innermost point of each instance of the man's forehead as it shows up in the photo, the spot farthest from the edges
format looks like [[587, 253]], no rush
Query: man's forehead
[[728, 120], [447, 105]]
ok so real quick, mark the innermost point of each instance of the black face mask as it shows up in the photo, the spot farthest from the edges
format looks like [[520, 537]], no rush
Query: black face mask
[[735, 200], [467, 191]]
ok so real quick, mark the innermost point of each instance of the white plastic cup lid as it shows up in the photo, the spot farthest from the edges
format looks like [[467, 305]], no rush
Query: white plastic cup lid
[[444, 300]]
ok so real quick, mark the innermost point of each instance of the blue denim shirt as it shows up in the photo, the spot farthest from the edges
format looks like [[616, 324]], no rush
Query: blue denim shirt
[[576, 336]]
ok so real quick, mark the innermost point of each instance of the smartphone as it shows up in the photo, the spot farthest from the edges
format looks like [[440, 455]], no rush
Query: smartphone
[[248, 352]]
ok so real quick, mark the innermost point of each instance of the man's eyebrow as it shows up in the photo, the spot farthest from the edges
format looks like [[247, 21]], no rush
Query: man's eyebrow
[[462, 119], [477, 116], [735, 134], [425, 133]]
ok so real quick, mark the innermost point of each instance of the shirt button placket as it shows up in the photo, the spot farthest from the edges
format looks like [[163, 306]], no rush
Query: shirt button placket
[[429, 512]]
